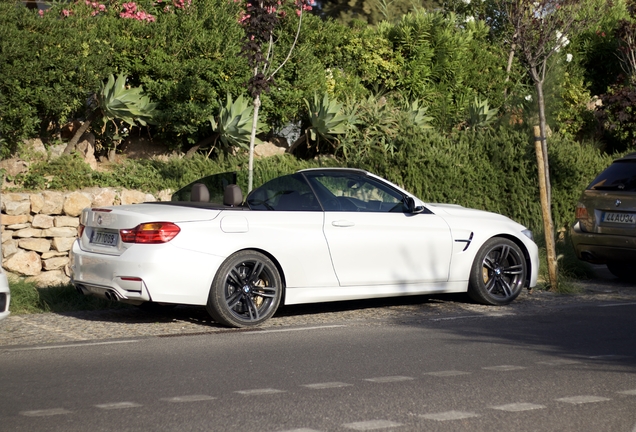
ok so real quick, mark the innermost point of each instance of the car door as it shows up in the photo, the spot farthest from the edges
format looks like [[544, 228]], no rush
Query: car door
[[288, 221], [374, 239]]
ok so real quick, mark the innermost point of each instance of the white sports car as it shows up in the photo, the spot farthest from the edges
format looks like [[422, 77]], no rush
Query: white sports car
[[318, 235], [5, 295]]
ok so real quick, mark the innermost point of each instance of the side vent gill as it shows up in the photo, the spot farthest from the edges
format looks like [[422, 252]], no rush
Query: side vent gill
[[468, 241]]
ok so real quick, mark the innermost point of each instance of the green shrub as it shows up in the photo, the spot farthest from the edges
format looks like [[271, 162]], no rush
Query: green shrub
[[493, 170]]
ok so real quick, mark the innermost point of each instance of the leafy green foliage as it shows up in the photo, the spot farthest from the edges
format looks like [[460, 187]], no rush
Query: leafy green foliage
[[234, 122], [618, 117]]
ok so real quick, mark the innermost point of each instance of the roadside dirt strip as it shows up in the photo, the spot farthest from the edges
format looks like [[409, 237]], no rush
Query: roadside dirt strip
[[55, 328]]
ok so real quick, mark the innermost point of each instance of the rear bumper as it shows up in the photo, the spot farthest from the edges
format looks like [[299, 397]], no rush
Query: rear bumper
[[602, 248], [159, 273]]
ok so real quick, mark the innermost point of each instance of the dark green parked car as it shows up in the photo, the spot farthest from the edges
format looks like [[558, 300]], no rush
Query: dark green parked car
[[605, 228]]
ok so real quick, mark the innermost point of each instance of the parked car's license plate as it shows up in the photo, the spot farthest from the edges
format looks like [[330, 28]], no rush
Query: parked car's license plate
[[625, 218], [105, 238]]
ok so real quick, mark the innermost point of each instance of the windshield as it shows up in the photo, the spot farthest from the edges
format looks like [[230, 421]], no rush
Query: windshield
[[621, 176], [215, 185]]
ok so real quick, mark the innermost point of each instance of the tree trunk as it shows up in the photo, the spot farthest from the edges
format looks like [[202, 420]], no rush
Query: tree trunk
[[82, 129], [544, 182], [257, 105]]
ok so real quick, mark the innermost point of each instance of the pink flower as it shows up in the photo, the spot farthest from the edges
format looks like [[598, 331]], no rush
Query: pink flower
[[66, 12], [41, 12]]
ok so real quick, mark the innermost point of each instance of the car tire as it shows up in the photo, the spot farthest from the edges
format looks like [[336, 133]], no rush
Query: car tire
[[622, 270], [246, 290], [498, 273]]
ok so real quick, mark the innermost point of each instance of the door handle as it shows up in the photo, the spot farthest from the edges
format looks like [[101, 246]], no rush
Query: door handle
[[342, 223]]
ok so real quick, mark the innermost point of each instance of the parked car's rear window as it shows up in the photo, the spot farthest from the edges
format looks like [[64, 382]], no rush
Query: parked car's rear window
[[621, 175]]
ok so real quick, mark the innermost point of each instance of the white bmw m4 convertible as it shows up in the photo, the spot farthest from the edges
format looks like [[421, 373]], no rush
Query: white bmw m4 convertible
[[318, 235]]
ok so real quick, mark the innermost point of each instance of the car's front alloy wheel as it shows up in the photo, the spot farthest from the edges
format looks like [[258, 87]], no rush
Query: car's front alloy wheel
[[246, 291], [498, 272]]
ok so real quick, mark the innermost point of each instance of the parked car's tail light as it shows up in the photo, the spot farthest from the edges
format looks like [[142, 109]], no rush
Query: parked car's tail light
[[153, 232], [80, 230], [581, 211]]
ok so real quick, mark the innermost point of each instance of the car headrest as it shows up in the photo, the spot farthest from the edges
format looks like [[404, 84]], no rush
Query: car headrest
[[199, 193], [232, 196]]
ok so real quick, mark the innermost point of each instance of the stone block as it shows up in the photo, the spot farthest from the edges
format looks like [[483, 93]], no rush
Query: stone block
[[28, 232], [60, 232], [19, 226], [9, 248], [37, 203], [24, 263], [42, 221], [14, 208], [47, 255], [66, 221], [56, 263], [103, 198], [62, 244], [132, 197], [35, 244], [75, 203], [53, 203], [14, 219], [49, 279]]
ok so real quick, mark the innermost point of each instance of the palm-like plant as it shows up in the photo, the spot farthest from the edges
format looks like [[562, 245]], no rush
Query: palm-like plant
[[326, 119], [116, 102], [417, 114], [480, 114]]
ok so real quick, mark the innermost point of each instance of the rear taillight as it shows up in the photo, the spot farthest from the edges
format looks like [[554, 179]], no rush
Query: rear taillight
[[581, 211], [153, 232], [80, 230]]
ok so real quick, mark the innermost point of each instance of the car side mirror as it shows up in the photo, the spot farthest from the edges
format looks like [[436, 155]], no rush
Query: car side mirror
[[410, 206]]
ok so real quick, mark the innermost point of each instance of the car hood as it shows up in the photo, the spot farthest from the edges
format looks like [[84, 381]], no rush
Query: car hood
[[464, 212]]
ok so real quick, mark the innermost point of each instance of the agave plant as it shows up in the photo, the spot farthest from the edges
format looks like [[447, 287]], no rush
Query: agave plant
[[233, 124], [326, 118], [115, 103], [129, 105], [480, 114], [417, 114]]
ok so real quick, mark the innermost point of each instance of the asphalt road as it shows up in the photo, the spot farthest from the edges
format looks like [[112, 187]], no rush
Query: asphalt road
[[571, 368]]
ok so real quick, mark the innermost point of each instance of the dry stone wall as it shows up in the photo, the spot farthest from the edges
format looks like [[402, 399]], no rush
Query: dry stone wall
[[38, 229]]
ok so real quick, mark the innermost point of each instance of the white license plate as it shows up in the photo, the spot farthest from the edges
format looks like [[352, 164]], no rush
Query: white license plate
[[622, 218], [104, 238]]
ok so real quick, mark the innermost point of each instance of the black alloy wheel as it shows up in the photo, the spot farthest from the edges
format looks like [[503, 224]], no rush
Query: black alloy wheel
[[246, 291], [498, 273]]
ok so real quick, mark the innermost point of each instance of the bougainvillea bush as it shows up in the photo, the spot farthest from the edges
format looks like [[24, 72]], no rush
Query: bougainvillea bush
[[184, 56]]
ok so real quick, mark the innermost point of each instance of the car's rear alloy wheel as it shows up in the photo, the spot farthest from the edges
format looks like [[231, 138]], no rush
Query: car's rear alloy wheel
[[498, 273], [246, 290]]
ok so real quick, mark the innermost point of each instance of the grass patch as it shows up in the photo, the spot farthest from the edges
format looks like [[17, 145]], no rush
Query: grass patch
[[26, 298], [570, 268]]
